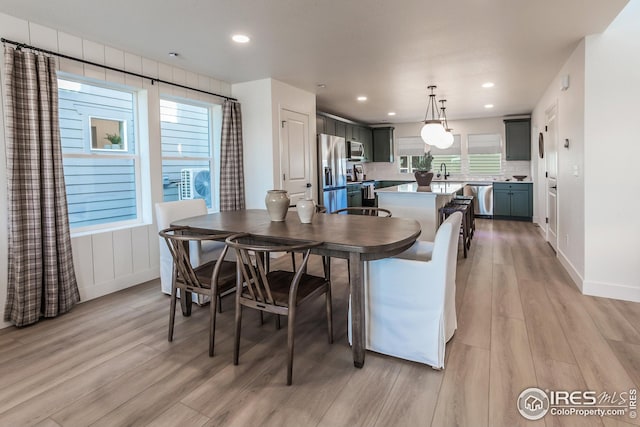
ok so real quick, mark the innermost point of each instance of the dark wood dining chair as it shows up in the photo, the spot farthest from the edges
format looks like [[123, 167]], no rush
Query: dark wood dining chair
[[211, 279], [278, 292], [364, 210]]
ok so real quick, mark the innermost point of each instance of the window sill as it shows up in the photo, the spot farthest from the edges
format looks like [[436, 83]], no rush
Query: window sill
[[108, 229]]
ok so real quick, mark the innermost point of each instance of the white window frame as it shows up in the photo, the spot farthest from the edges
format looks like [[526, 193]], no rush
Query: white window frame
[[93, 154]]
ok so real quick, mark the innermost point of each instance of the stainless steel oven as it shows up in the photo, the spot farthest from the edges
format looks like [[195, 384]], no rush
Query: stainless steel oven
[[483, 194], [368, 193]]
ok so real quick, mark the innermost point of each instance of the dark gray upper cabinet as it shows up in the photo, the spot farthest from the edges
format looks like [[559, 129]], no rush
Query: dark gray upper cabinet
[[353, 132], [329, 126], [320, 121], [518, 135], [366, 137], [349, 131], [383, 144]]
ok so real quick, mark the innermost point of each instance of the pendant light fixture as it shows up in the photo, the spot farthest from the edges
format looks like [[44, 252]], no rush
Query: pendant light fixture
[[448, 139], [432, 133]]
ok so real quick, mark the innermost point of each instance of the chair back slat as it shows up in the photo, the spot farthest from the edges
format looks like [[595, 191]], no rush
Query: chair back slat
[[252, 256], [177, 239], [244, 264], [254, 274]]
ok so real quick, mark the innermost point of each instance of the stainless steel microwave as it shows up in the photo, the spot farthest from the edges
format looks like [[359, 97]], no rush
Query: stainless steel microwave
[[355, 150]]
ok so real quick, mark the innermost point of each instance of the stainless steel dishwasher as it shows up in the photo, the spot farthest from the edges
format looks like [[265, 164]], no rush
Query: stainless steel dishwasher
[[483, 194]]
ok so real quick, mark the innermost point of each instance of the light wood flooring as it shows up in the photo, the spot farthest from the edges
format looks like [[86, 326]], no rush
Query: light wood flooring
[[521, 323]]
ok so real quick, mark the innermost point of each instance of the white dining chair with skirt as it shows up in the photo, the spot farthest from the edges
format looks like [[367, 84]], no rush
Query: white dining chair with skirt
[[199, 252], [410, 308]]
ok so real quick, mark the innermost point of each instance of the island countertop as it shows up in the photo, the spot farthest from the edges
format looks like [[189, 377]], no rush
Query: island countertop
[[436, 188]]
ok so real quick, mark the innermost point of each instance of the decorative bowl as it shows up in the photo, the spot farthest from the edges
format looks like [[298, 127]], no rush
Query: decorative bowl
[[519, 177]]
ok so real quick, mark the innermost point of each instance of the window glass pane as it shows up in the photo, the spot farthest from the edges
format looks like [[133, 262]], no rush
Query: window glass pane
[[414, 162], [453, 162], [485, 164], [100, 180], [184, 129], [100, 190], [80, 102], [175, 172], [403, 162], [485, 154]]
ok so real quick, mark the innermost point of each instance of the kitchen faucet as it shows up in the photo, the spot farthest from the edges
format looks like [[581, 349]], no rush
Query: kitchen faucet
[[446, 174]]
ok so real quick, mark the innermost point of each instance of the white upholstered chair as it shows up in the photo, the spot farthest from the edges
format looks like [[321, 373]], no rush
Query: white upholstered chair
[[199, 252], [410, 299]]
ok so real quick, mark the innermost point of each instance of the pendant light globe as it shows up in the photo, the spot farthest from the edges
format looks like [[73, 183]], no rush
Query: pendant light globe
[[447, 140], [432, 132]]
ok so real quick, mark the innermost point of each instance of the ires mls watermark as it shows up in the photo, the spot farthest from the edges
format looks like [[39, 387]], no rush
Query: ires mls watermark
[[535, 403]]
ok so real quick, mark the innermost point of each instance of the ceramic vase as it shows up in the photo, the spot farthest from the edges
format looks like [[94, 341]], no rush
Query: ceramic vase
[[423, 178], [306, 209], [277, 202]]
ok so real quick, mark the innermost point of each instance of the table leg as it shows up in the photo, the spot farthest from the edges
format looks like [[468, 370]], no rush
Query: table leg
[[186, 300], [356, 286]]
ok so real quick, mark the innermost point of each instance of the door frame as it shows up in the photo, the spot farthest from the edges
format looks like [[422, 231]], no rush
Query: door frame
[[551, 114], [310, 149]]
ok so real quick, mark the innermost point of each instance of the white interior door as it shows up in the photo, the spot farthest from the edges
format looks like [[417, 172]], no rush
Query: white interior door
[[551, 154], [295, 157]]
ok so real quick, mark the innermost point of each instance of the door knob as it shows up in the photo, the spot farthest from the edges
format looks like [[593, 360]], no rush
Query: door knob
[[555, 187]]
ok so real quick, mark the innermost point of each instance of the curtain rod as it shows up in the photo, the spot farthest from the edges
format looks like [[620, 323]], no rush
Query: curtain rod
[[131, 73]]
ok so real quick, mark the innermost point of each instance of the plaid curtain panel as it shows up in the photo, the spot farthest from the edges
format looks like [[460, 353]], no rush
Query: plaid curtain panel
[[41, 280], [231, 167]]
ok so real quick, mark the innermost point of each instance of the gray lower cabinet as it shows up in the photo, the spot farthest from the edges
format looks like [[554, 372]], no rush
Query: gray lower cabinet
[[354, 195], [513, 200]]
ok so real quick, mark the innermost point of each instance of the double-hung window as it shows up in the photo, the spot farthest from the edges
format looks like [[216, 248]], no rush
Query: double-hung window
[[410, 149], [100, 154], [485, 154], [186, 131], [449, 156]]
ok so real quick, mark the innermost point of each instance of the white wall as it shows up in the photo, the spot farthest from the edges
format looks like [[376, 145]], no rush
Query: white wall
[[257, 133], [612, 183], [570, 106], [597, 226], [493, 125], [262, 101], [109, 261]]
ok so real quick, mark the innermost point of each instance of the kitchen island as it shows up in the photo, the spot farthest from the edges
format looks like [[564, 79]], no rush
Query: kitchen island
[[419, 203]]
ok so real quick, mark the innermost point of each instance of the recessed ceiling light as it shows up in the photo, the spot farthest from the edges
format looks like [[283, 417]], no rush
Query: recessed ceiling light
[[321, 85], [391, 113], [173, 54], [362, 98], [240, 38], [488, 105], [488, 85]]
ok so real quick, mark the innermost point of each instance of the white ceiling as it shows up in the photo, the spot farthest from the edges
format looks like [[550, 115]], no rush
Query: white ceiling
[[389, 51]]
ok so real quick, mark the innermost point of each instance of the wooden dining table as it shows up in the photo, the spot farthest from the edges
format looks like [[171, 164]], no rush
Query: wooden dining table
[[358, 238]]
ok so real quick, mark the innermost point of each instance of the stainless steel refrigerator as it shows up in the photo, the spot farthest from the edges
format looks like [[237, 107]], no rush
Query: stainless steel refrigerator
[[332, 167]]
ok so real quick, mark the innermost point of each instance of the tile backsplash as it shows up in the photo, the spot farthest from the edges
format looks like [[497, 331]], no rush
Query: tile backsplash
[[391, 171]]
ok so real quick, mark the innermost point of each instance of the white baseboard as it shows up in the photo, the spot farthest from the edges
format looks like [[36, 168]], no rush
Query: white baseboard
[[611, 290], [573, 273], [94, 291], [599, 289]]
